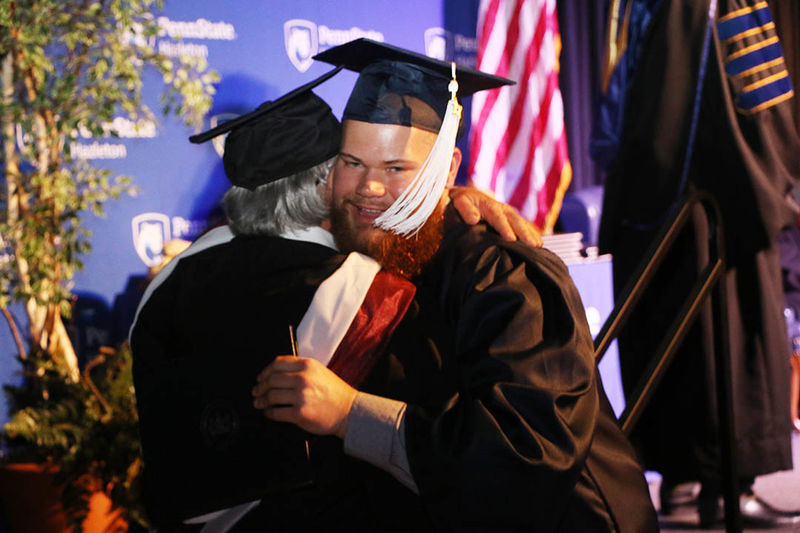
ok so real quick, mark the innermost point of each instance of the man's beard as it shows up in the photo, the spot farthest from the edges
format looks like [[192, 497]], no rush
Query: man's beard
[[404, 256]]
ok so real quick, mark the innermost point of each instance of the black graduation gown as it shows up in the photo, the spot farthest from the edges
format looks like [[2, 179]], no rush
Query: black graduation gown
[[747, 162], [514, 432], [198, 344], [573, 471]]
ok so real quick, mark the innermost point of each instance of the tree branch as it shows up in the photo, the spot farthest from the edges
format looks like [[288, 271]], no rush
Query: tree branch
[[12, 325], [89, 366]]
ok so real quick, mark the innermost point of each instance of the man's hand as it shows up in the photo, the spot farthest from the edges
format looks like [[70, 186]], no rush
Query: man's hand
[[473, 205], [305, 393]]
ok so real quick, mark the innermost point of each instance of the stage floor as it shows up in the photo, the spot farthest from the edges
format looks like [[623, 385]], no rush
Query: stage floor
[[781, 489]]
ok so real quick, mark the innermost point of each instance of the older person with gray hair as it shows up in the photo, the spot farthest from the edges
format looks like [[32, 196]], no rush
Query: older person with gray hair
[[213, 316]]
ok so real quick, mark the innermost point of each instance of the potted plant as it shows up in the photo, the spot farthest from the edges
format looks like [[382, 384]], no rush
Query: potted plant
[[69, 66], [82, 436]]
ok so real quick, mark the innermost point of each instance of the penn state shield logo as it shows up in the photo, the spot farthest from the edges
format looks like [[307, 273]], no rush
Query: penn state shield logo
[[150, 232], [302, 41], [436, 43]]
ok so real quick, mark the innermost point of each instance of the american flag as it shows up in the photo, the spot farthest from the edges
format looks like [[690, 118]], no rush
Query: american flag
[[518, 146]]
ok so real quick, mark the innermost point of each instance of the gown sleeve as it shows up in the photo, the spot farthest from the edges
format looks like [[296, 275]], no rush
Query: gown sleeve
[[507, 448]]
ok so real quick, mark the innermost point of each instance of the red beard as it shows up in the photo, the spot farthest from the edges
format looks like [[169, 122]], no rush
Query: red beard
[[404, 256]]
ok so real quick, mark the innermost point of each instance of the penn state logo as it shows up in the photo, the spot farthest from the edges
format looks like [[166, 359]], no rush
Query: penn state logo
[[150, 232], [219, 141], [436, 43], [302, 42]]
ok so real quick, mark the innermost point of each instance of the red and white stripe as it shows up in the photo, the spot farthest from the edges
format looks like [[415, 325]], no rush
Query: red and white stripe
[[518, 146]]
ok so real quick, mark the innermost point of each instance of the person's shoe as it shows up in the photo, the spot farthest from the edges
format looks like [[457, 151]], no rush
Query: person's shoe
[[672, 495], [758, 513], [755, 512]]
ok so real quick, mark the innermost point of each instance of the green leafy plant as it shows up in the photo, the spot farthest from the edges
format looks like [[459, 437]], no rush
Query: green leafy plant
[[68, 67], [87, 429]]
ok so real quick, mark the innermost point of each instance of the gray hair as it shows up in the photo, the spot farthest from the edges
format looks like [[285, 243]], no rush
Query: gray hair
[[293, 203]]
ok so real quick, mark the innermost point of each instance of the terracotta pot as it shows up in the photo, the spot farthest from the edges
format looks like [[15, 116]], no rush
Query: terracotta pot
[[31, 503]]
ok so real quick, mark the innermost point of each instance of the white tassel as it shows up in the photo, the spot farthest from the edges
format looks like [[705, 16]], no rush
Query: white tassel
[[411, 210]]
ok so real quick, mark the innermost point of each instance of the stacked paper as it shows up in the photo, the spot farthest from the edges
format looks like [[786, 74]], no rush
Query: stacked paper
[[567, 246]]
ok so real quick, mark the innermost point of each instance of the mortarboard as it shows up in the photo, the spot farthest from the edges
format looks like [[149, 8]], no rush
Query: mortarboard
[[279, 138], [397, 86], [400, 87]]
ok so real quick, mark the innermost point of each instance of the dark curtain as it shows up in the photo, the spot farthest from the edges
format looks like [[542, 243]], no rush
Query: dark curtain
[[787, 23], [583, 27]]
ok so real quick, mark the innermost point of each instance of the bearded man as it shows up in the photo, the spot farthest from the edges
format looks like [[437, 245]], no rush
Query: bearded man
[[502, 424], [217, 313]]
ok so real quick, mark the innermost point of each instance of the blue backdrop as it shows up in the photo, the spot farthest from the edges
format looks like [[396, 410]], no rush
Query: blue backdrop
[[261, 49]]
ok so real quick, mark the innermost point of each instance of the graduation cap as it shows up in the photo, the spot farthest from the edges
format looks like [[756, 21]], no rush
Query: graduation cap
[[398, 86], [401, 87], [279, 138]]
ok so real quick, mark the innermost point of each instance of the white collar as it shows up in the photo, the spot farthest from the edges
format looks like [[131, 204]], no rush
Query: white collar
[[313, 234]]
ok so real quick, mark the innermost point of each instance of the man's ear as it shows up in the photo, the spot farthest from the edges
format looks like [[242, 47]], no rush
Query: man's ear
[[455, 162]]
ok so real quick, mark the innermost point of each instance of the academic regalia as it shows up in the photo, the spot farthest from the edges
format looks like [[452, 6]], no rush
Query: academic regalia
[[216, 315], [743, 149], [532, 387], [199, 342], [508, 428], [220, 316]]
